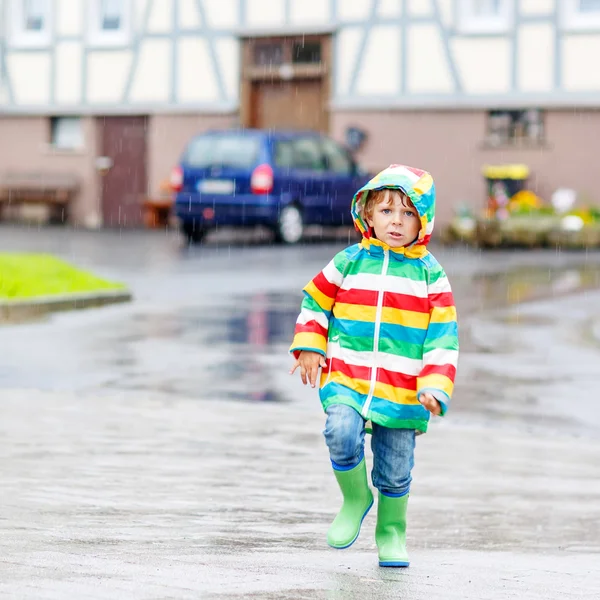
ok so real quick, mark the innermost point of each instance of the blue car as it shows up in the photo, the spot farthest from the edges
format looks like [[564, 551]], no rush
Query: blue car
[[281, 180]]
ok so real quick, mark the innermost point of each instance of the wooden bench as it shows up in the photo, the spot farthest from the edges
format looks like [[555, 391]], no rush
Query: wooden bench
[[53, 192], [157, 210]]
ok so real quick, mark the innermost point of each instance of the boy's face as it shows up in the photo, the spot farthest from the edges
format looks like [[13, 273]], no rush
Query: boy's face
[[394, 219]]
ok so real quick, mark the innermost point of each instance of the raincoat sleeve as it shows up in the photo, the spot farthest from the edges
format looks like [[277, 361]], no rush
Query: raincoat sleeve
[[440, 350], [312, 324]]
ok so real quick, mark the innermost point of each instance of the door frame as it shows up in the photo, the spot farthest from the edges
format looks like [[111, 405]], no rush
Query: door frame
[[286, 71]]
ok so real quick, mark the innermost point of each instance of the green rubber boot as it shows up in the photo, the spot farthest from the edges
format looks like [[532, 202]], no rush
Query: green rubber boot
[[390, 533], [358, 499]]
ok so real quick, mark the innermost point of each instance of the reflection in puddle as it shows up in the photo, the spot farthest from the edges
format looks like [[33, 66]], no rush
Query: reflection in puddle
[[233, 352], [533, 283]]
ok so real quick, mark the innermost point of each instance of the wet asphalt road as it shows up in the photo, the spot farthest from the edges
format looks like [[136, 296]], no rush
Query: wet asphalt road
[[160, 450]]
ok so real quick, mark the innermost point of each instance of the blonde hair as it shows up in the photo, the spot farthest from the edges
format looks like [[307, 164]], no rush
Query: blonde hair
[[384, 195]]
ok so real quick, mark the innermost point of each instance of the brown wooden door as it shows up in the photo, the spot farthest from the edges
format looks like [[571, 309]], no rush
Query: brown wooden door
[[124, 186], [298, 104]]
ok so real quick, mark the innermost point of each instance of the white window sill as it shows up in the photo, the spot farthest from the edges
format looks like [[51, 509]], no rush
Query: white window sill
[[26, 43], [519, 144], [51, 150], [108, 40]]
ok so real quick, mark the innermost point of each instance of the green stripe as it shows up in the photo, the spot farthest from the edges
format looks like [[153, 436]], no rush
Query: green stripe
[[310, 303], [435, 273], [409, 269], [404, 349], [340, 260], [446, 342]]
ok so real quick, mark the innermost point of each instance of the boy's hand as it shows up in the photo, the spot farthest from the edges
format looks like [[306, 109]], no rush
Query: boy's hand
[[309, 363], [430, 403]]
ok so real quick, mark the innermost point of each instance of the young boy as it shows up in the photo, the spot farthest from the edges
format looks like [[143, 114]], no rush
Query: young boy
[[380, 322]]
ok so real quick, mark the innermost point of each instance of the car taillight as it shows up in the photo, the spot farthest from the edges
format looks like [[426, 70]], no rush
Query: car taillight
[[177, 179], [261, 181]]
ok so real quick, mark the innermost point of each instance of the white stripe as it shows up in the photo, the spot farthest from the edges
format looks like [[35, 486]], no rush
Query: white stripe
[[440, 357], [389, 362], [429, 228], [306, 315], [402, 170], [332, 274], [392, 284], [440, 286]]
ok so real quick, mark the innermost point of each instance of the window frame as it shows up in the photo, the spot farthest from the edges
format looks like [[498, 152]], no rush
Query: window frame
[[511, 140], [102, 38], [468, 22], [572, 18], [18, 36], [54, 121]]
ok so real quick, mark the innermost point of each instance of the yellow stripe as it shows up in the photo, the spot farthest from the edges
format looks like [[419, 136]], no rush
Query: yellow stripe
[[382, 390], [407, 318], [325, 302], [394, 394], [309, 340], [397, 316], [355, 312], [360, 386], [445, 314], [437, 381], [424, 184]]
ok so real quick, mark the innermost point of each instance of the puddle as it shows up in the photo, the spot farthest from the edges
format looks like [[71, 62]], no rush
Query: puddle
[[236, 351], [529, 283]]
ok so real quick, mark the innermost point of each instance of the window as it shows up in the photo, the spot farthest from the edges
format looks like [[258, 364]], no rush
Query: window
[[237, 151], [587, 6], [581, 14], [306, 52], [111, 15], [515, 127], [485, 16], [268, 53], [109, 23], [30, 23], [301, 153], [284, 154], [336, 159], [66, 133], [307, 154]]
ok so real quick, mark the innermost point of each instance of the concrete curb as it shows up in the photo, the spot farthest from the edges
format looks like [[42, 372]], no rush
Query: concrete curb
[[33, 308]]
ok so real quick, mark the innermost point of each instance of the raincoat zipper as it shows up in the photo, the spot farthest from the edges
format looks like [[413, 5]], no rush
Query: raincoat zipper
[[375, 368]]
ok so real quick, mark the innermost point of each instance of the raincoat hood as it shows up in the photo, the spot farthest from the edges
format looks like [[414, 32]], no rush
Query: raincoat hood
[[416, 184]]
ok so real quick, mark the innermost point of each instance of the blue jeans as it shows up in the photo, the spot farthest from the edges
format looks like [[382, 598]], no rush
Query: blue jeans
[[393, 449]]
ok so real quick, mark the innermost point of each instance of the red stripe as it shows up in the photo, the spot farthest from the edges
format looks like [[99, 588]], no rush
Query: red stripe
[[426, 239], [397, 380], [418, 172], [441, 300], [356, 296], [352, 371], [406, 302], [324, 286], [311, 327], [447, 370]]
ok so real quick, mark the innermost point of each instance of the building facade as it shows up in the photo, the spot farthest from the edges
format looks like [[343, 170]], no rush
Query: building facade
[[111, 90]]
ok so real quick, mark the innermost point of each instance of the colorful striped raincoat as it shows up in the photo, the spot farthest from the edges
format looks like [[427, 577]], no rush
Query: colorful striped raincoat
[[384, 318]]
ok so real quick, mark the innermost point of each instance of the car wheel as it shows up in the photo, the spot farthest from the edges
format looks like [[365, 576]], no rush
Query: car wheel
[[290, 225], [193, 233]]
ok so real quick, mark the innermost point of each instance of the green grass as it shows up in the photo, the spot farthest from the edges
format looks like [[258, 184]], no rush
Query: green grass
[[29, 275]]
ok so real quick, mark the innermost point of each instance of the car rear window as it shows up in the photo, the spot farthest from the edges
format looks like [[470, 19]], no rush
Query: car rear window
[[222, 151], [300, 153]]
